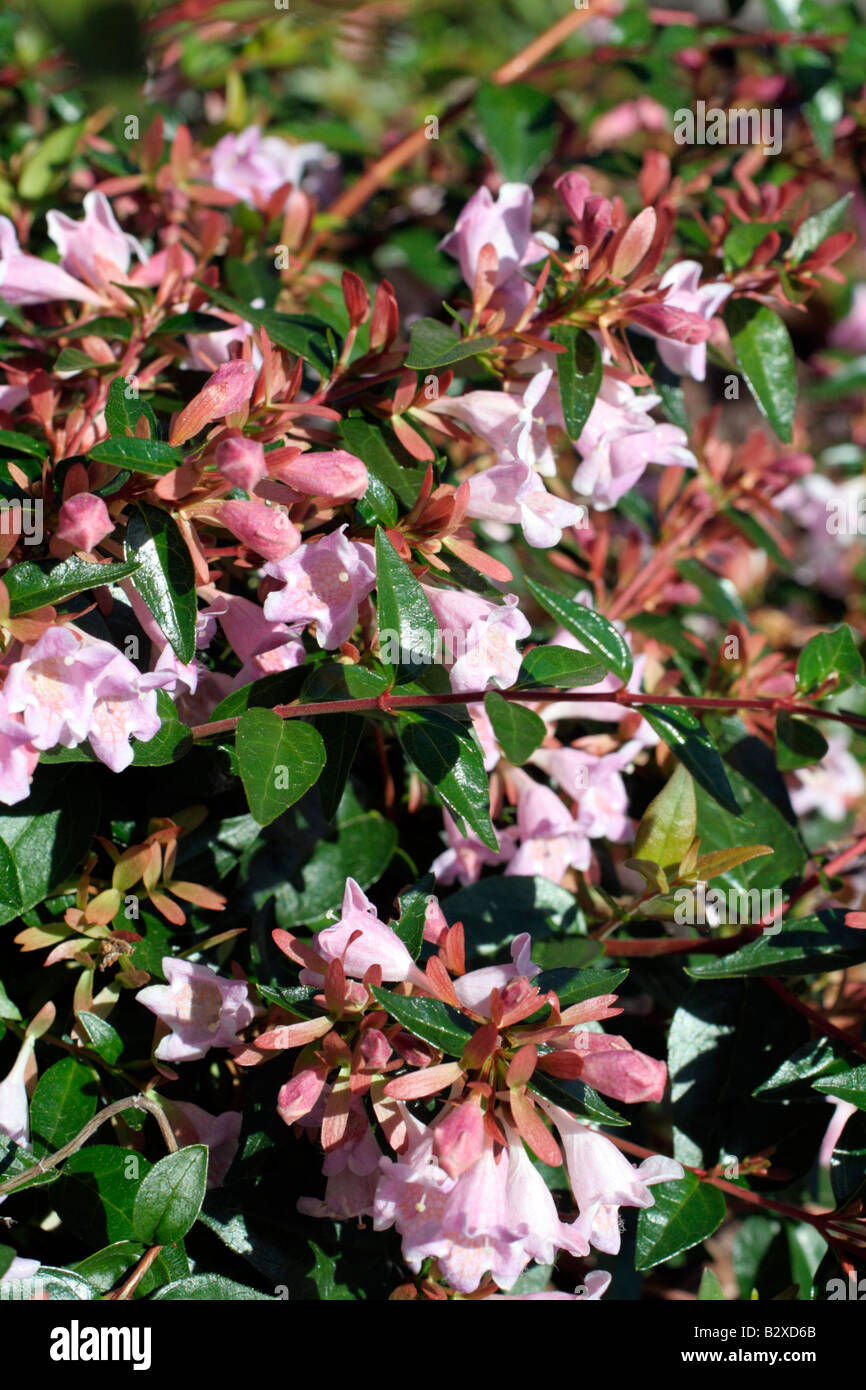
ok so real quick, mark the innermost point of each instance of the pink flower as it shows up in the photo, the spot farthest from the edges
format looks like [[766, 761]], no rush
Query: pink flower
[[18, 757], [686, 293], [299, 1095], [551, 840], [324, 581], [832, 785], [94, 249], [84, 521], [53, 685], [602, 1179], [192, 1125], [19, 1270], [241, 462], [466, 856], [253, 166], [14, 1101], [224, 394], [267, 530], [595, 1284], [850, 332], [513, 492], [261, 645], [30, 280], [480, 637], [124, 708], [618, 441], [474, 989], [375, 943], [337, 475], [612, 1066], [626, 119], [612, 713], [200, 1009], [595, 783], [514, 424], [506, 224]]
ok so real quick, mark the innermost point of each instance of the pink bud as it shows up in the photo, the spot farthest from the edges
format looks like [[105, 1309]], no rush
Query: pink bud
[[84, 521], [299, 1095], [336, 475], [267, 530], [242, 462], [224, 393], [459, 1138], [670, 322], [635, 243], [573, 190], [375, 1048], [356, 297]]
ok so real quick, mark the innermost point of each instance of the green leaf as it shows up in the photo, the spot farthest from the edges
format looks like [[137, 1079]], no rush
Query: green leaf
[[32, 586], [577, 1098], [405, 618], [14, 1160], [413, 909], [341, 736], [123, 412], [43, 839], [495, 910], [798, 743], [166, 578], [689, 741], [742, 241], [578, 371], [138, 455], [848, 1162], [43, 168], [279, 688], [103, 1269], [72, 360], [170, 1196], [765, 353], [64, 1100], [102, 1036], [560, 666], [684, 1213], [433, 344], [97, 1192], [816, 229], [7, 1008], [302, 334], [428, 1019], [669, 823], [830, 654], [280, 759], [21, 444], [802, 947], [210, 1287], [519, 127], [519, 730], [362, 849], [815, 1059], [367, 442], [845, 1085], [575, 986], [710, 1289], [449, 756], [592, 629]]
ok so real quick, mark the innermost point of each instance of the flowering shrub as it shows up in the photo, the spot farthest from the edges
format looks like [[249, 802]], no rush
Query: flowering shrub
[[431, 710]]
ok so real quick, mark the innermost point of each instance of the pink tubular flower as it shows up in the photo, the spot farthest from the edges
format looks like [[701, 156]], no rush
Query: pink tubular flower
[[200, 1009], [84, 521], [595, 783], [619, 440], [352, 1170], [551, 840], [374, 944], [513, 492], [53, 685], [192, 1125], [595, 1285], [602, 1179], [506, 224], [225, 393], [94, 247], [686, 293], [299, 1095], [267, 530], [514, 424], [18, 757], [30, 280], [465, 856], [474, 989], [323, 582], [124, 708], [337, 475], [262, 646], [241, 462], [253, 166], [14, 1102], [612, 1066], [626, 119], [832, 785], [850, 332], [479, 637]]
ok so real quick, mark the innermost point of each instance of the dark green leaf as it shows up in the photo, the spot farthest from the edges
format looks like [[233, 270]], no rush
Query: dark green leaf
[[138, 455], [689, 741], [519, 127], [279, 759], [170, 1196], [560, 666], [166, 578], [428, 1019], [816, 229], [32, 586], [97, 1192], [43, 839], [519, 731], [578, 371], [806, 946], [592, 629], [830, 654], [101, 1035], [214, 1288], [449, 756], [845, 1085], [798, 744], [64, 1100], [684, 1213], [764, 351], [413, 909], [408, 631], [578, 1099], [433, 344]]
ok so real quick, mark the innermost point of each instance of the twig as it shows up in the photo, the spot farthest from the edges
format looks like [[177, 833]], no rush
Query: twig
[[117, 1107]]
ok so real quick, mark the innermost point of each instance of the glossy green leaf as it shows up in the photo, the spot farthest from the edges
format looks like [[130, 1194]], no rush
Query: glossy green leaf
[[170, 1196], [43, 839], [209, 1287], [448, 755], [830, 654], [428, 1019], [32, 585], [809, 944], [165, 578], [413, 908], [578, 371], [433, 344], [689, 741], [280, 759], [138, 455], [519, 127], [101, 1035], [798, 743], [64, 1100], [817, 228], [765, 354], [592, 629], [560, 666], [519, 730], [367, 442], [669, 823], [408, 631], [845, 1085], [684, 1213]]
